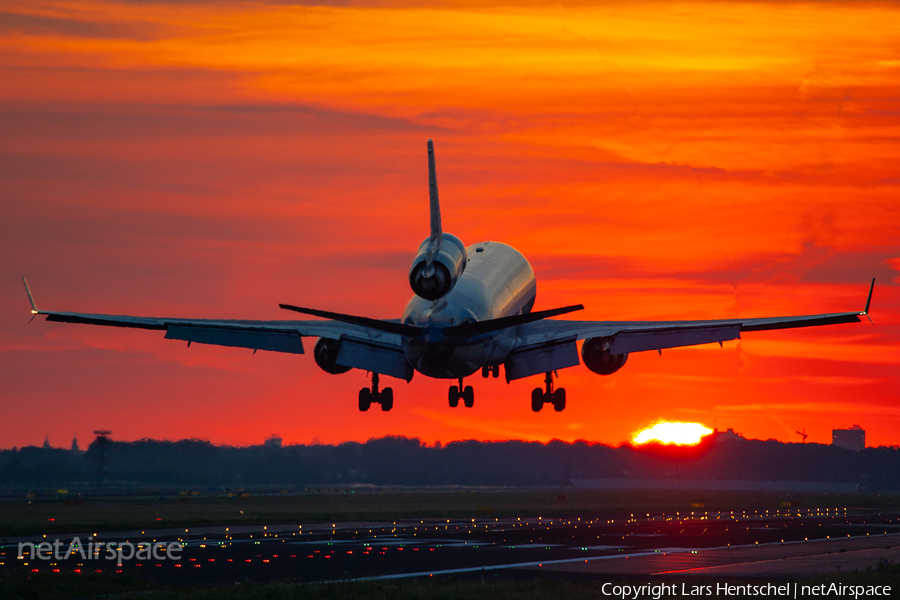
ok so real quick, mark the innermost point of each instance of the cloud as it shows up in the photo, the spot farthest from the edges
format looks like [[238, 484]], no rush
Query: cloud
[[193, 159], [814, 264], [42, 25], [836, 350], [810, 407], [130, 122]]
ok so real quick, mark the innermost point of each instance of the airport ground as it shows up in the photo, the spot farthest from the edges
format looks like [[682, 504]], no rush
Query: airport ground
[[27, 512], [545, 543]]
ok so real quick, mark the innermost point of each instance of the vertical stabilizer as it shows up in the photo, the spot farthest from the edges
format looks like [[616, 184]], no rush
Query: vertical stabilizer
[[441, 258], [437, 234]]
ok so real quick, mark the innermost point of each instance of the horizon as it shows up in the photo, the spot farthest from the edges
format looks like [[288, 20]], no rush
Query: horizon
[[699, 160], [435, 443]]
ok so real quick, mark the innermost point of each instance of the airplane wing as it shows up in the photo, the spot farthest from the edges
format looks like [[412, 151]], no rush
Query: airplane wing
[[551, 342], [370, 346]]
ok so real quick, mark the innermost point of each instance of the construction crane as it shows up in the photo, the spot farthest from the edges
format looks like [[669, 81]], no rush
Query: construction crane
[[803, 433]]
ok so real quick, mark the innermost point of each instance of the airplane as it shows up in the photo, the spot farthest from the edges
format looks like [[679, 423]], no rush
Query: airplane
[[472, 310]]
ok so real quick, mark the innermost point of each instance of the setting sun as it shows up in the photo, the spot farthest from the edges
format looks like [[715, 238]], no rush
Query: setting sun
[[672, 433]]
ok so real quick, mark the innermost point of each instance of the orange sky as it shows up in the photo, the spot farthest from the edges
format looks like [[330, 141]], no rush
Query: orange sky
[[653, 160]]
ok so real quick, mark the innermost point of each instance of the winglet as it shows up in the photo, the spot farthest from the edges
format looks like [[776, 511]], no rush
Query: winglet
[[34, 309], [869, 300]]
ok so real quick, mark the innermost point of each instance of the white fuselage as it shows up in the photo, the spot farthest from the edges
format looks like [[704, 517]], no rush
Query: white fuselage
[[497, 282]]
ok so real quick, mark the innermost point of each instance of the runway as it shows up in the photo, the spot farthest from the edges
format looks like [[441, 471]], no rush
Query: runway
[[786, 543], [780, 560]]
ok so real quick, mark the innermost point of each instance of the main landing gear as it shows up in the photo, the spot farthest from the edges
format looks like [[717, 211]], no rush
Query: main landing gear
[[367, 396], [555, 397], [488, 371], [456, 392]]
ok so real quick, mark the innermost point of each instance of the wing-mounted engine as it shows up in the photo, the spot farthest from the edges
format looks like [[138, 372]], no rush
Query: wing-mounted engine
[[326, 353], [447, 264], [597, 357]]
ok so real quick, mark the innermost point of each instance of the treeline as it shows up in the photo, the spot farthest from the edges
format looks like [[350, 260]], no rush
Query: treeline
[[405, 461]]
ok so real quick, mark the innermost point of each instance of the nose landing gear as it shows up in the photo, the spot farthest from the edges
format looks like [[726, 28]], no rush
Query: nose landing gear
[[456, 393], [367, 396], [548, 395]]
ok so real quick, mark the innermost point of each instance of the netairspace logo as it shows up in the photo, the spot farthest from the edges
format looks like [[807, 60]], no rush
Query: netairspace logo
[[788, 590], [118, 551]]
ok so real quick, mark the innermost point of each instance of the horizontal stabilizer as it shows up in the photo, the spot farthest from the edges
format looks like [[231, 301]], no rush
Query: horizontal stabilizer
[[481, 327], [386, 326]]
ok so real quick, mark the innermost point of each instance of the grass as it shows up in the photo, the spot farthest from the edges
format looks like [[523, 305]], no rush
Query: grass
[[36, 516]]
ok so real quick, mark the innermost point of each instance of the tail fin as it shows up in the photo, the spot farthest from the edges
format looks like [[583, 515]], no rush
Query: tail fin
[[437, 234]]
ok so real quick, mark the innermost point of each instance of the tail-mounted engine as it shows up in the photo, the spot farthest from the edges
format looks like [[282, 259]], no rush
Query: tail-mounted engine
[[447, 264], [326, 353], [597, 357]]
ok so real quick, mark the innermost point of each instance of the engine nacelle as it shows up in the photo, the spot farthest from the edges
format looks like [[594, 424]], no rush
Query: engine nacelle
[[448, 264], [326, 353], [597, 357]]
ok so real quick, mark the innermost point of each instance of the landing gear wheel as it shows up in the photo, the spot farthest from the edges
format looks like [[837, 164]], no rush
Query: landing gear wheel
[[469, 396], [365, 399], [453, 396], [548, 395], [495, 371], [387, 399], [559, 399], [369, 395], [485, 371]]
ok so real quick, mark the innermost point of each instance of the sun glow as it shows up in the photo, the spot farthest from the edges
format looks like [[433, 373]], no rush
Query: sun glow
[[673, 433]]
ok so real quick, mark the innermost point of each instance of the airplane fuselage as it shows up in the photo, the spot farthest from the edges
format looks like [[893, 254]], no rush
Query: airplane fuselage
[[497, 282]]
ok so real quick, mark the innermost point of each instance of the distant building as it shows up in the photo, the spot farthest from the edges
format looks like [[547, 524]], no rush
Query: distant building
[[728, 436], [75, 447], [46, 442], [273, 441], [851, 439]]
